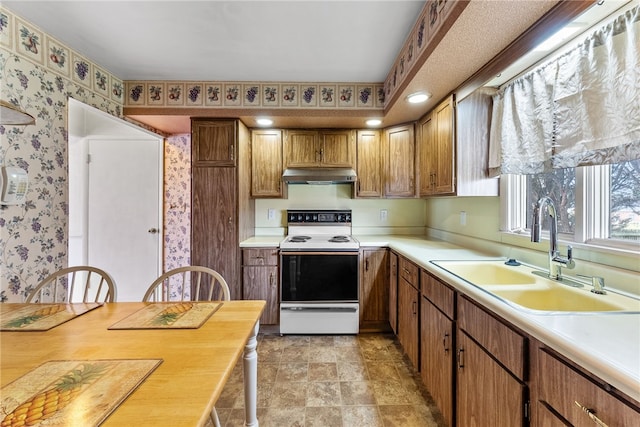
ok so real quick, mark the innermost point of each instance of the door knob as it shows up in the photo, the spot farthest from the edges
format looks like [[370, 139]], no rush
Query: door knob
[[154, 230]]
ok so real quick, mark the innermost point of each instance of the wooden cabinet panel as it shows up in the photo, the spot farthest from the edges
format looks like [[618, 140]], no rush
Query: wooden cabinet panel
[[445, 158], [266, 163], [260, 256], [437, 348], [261, 283], [399, 158], [369, 164], [561, 386], [436, 150], [374, 290], [214, 238], [222, 212], [440, 295], [337, 148], [393, 291], [300, 148], [486, 395], [409, 271], [500, 340], [213, 142], [426, 147], [314, 148], [408, 318]]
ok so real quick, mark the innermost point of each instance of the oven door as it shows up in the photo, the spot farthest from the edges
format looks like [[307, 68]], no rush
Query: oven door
[[318, 277]]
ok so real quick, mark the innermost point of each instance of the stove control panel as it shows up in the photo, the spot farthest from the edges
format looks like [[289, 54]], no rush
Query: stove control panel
[[319, 217]]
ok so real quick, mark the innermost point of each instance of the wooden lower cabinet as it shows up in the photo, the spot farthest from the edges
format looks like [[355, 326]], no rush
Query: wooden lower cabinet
[[437, 348], [561, 386], [486, 393], [408, 320], [393, 291], [260, 280], [374, 292]]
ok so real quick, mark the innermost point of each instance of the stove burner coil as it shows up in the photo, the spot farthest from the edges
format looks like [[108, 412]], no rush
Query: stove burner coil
[[299, 239], [339, 239]]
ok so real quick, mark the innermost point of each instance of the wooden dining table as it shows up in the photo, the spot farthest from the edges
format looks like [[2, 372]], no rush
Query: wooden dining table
[[193, 364]]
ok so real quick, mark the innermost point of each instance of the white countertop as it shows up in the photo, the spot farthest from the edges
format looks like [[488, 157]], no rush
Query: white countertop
[[607, 345]]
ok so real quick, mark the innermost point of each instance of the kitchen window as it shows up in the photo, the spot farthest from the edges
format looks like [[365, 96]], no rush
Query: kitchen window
[[597, 205]]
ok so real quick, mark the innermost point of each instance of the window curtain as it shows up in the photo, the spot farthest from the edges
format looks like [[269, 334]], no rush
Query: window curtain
[[581, 108]]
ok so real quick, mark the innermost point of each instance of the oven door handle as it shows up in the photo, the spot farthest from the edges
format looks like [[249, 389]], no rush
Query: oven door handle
[[322, 309]]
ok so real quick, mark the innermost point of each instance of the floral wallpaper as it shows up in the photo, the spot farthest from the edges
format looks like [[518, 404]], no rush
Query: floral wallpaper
[[177, 201]]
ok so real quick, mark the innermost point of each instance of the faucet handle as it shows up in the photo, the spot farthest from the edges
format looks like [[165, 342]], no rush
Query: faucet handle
[[597, 282], [569, 252]]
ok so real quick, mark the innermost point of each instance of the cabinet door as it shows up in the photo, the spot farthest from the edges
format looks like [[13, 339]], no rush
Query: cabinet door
[[301, 149], [436, 357], [261, 283], [444, 178], [393, 291], [487, 395], [213, 214], [337, 148], [266, 163], [369, 164], [561, 387], [408, 320], [213, 142], [400, 162], [374, 292], [426, 147]]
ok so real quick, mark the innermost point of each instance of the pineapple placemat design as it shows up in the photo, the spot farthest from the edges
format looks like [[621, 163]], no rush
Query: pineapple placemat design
[[169, 315], [72, 392], [40, 317]]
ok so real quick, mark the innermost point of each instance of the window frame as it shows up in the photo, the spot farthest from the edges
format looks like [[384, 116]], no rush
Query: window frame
[[592, 201]]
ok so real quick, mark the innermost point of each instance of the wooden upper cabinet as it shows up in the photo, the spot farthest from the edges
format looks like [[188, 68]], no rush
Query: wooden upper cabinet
[[399, 160], [214, 142], [266, 163], [445, 158], [368, 164], [319, 148], [425, 145], [436, 150], [301, 148]]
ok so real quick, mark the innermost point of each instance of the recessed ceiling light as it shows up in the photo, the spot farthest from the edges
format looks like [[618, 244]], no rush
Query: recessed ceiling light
[[418, 97], [373, 122], [264, 122]]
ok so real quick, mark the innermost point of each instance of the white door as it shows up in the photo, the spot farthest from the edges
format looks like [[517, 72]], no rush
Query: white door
[[124, 212]]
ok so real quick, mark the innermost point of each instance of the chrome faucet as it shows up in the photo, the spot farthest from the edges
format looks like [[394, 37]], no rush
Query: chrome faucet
[[556, 260]]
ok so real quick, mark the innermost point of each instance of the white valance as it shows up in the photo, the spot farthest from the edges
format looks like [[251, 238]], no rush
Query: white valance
[[581, 108]]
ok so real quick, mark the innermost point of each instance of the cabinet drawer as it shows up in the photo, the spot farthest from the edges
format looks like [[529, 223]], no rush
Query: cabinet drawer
[[260, 256], [409, 272], [499, 339], [441, 295], [561, 387]]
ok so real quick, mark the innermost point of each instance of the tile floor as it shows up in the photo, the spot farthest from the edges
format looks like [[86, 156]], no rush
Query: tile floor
[[332, 381]]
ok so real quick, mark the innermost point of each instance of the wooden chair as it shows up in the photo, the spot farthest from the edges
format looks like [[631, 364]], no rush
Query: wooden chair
[[211, 287], [204, 284], [97, 286]]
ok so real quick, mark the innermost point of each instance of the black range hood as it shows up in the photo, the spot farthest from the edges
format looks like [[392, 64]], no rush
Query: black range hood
[[319, 176]]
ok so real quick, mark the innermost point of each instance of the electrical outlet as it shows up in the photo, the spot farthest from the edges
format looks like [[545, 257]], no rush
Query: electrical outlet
[[463, 218], [271, 214], [383, 215]]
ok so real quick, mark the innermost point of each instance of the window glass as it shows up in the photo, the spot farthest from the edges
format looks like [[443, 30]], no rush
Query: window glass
[[560, 186], [624, 202]]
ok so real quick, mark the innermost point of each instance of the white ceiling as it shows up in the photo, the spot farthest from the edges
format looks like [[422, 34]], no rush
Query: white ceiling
[[302, 40], [309, 41]]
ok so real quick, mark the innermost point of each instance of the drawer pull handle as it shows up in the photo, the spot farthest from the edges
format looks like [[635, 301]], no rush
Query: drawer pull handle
[[591, 413], [444, 342], [460, 363]]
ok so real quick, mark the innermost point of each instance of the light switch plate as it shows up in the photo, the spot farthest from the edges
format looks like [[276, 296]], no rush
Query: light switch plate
[[271, 214]]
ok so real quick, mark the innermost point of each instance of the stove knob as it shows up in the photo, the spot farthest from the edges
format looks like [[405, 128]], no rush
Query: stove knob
[[307, 218], [340, 218], [300, 217], [315, 217], [348, 218]]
